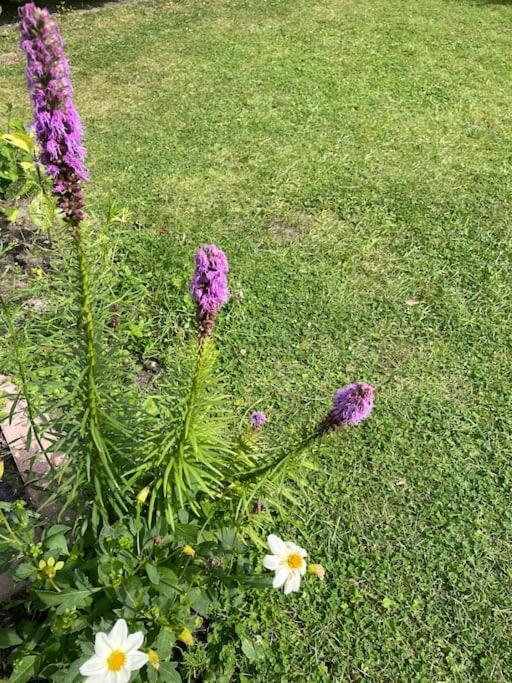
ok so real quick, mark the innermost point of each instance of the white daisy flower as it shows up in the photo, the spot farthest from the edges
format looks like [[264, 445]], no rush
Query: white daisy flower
[[287, 562], [116, 656]]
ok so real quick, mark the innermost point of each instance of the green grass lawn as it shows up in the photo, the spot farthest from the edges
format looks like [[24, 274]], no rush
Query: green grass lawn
[[350, 156]]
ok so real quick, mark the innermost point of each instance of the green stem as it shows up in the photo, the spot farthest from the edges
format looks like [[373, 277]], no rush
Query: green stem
[[54, 585], [188, 416], [13, 538], [92, 403], [263, 474], [277, 464]]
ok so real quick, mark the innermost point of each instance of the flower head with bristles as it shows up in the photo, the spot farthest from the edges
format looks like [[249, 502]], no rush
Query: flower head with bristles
[[209, 286], [258, 419], [350, 405], [56, 123]]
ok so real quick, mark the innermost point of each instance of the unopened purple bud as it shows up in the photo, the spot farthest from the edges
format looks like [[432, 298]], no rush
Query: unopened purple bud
[[258, 420], [350, 405], [209, 286]]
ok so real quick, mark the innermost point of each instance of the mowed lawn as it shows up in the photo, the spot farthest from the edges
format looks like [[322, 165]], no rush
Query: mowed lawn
[[354, 160]]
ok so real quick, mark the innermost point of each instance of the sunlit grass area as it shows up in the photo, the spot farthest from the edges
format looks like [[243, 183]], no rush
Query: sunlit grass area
[[353, 159]]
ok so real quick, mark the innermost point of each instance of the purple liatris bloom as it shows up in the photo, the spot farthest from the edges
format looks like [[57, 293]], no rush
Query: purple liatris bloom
[[258, 420], [209, 286], [57, 124], [350, 405]]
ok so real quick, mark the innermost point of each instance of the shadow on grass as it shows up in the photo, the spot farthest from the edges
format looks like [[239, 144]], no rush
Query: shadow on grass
[[9, 13]]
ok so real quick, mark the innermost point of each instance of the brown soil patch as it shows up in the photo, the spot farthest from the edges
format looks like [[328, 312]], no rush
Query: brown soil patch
[[289, 227]]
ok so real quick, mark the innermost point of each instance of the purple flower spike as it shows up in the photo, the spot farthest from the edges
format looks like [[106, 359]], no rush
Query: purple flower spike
[[258, 420], [209, 286], [57, 124], [350, 405]]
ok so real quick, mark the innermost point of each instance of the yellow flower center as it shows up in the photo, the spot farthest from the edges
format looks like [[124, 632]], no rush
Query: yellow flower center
[[294, 561], [116, 660]]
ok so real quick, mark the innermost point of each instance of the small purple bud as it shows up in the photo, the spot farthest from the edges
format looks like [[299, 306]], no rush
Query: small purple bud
[[258, 420], [209, 286], [259, 507], [350, 405]]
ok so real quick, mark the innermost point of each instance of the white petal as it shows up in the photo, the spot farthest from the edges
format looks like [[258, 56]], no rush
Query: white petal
[[280, 577], [93, 666], [136, 660], [302, 568], [134, 641], [271, 562], [122, 676], [101, 645], [276, 545], [118, 635], [292, 583], [102, 678], [112, 676], [295, 549]]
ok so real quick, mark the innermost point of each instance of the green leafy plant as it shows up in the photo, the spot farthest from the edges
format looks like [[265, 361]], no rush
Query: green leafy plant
[[158, 501], [24, 188]]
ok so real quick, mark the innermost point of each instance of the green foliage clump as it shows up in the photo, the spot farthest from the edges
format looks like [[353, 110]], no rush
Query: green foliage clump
[[24, 189], [154, 513]]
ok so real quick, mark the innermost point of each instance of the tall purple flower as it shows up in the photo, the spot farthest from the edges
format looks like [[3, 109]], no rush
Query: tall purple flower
[[209, 286], [350, 405], [258, 419], [57, 124]]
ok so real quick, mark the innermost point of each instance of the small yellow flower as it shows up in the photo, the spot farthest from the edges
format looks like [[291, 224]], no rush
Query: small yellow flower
[[49, 568], [38, 272], [142, 495], [189, 551], [186, 636], [317, 570], [154, 659]]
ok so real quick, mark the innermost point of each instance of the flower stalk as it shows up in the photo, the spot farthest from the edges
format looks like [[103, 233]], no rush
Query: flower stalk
[[92, 408]]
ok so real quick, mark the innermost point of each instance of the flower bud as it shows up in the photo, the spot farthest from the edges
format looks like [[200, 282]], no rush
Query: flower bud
[[209, 286], [186, 636], [189, 551], [259, 507], [317, 570], [154, 659], [258, 419], [142, 495]]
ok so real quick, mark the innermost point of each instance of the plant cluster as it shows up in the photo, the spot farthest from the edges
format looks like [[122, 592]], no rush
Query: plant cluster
[[24, 188], [154, 513]]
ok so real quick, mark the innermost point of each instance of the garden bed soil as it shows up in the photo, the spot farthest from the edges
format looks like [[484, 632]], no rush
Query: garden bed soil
[[11, 484]]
